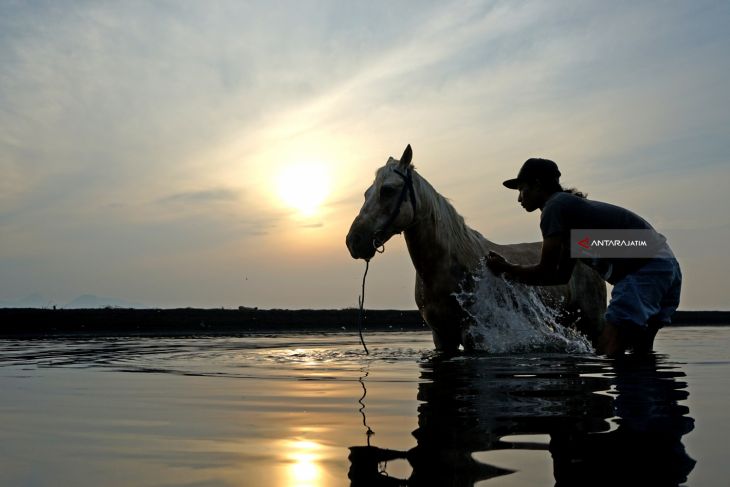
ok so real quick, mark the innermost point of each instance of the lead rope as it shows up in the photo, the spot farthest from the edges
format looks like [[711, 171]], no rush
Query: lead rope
[[369, 431], [379, 246], [361, 301]]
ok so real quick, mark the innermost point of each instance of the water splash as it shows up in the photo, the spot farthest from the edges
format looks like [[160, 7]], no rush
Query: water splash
[[510, 317]]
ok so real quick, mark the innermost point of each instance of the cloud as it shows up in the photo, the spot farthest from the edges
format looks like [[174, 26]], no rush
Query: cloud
[[206, 196]]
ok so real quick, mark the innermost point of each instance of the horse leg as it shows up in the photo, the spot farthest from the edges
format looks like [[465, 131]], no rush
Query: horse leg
[[446, 342], [446, 336]]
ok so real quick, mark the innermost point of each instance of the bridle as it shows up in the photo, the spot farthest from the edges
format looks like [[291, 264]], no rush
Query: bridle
[[406, 192]]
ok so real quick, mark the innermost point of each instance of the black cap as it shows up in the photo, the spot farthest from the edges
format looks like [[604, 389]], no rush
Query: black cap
[[534, 169]]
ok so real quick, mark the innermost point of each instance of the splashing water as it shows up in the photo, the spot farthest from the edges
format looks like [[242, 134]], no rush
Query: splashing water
[[510, 317]]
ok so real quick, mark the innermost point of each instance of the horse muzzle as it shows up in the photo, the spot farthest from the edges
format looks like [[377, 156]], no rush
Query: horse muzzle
[[360, 245]]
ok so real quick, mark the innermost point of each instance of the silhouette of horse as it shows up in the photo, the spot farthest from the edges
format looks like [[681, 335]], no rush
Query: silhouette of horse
[[445, 252]]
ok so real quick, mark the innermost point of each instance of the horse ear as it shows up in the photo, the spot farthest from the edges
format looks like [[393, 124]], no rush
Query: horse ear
[[405, 159]]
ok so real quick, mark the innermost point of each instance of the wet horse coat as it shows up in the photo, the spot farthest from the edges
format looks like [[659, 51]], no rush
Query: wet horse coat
[[445, 252]]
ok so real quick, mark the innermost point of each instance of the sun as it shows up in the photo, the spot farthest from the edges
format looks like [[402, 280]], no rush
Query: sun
[[304, 187]]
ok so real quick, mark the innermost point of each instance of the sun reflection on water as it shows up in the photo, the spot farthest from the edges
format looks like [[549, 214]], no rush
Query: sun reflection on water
[[303, 457]]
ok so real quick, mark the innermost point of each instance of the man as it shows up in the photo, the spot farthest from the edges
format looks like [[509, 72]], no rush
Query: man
[[646, 285]]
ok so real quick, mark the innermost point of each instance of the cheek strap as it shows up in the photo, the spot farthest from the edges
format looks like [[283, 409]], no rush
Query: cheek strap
[[406, 192]]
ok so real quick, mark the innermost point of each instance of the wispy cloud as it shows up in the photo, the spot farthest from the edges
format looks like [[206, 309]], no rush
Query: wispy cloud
[[214, 195]]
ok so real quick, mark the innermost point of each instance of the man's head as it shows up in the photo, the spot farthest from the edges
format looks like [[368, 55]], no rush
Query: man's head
[[536, 181]]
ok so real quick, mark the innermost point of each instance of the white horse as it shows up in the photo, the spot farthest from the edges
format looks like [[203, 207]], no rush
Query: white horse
[[445, 252]]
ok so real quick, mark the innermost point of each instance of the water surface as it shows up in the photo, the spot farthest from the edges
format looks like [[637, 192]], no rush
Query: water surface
[[304, 410]]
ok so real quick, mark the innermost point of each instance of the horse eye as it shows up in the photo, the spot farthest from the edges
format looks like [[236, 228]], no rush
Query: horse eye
[[387, 191]]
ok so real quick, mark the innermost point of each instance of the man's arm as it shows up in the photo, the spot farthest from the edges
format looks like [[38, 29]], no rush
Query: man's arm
[[555, 266]]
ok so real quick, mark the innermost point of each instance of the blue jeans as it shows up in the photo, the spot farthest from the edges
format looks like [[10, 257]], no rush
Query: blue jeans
[[649, 295]]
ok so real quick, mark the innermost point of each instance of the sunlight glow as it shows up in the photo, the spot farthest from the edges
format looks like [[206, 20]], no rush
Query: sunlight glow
[[304, 470], [304, 186]]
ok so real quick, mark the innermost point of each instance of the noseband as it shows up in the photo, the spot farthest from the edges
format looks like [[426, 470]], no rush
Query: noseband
[[406, 192]]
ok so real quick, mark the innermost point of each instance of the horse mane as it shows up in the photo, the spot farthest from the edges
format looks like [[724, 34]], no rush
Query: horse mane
[[454, 234]]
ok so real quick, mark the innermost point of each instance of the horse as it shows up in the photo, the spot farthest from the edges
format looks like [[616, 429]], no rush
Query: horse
[[446, 252]]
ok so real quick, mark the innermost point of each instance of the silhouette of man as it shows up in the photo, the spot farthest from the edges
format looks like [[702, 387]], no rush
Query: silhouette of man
[[646, 290]]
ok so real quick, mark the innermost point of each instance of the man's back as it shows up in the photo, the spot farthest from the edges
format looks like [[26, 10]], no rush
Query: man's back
[[564, 211]]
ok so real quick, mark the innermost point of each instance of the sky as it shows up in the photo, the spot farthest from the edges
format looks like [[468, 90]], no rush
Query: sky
[[154, 151]]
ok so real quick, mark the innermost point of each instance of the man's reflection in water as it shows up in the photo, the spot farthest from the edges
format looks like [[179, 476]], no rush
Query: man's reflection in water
[[646, 448], [470, 403]]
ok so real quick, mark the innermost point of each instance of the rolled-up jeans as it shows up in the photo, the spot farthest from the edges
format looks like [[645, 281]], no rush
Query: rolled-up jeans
[[647, 296]]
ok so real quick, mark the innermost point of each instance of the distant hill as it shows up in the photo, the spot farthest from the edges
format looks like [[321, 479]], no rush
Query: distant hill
[[85, 301], [89, 301]]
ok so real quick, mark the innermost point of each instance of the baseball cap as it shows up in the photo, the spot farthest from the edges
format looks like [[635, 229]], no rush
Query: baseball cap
[[532, 169]]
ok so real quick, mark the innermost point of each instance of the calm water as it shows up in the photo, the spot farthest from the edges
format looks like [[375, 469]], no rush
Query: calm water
[[290, 411]]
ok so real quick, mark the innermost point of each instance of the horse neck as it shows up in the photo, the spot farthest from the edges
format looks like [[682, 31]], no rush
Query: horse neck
[[439, 240]]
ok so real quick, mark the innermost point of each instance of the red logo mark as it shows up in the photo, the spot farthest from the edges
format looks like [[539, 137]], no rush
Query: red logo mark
[[585, 243]]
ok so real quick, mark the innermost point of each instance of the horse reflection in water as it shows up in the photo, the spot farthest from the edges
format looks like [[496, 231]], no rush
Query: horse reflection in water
[[471, 403]]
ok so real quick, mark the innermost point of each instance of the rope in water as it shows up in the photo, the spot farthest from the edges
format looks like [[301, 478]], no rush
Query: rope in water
[[369, 431], [361, 301]]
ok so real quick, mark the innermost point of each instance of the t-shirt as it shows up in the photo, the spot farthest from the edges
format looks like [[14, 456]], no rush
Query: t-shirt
[[564, 211]]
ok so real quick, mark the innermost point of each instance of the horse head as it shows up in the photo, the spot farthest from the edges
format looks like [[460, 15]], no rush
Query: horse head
[[389, 208]]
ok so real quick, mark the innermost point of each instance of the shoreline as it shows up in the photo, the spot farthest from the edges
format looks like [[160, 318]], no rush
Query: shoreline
[[34, 322], [119, 322]]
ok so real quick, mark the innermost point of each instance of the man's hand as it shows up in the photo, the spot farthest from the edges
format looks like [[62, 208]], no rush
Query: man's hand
[[555, 266], [497, 264]]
